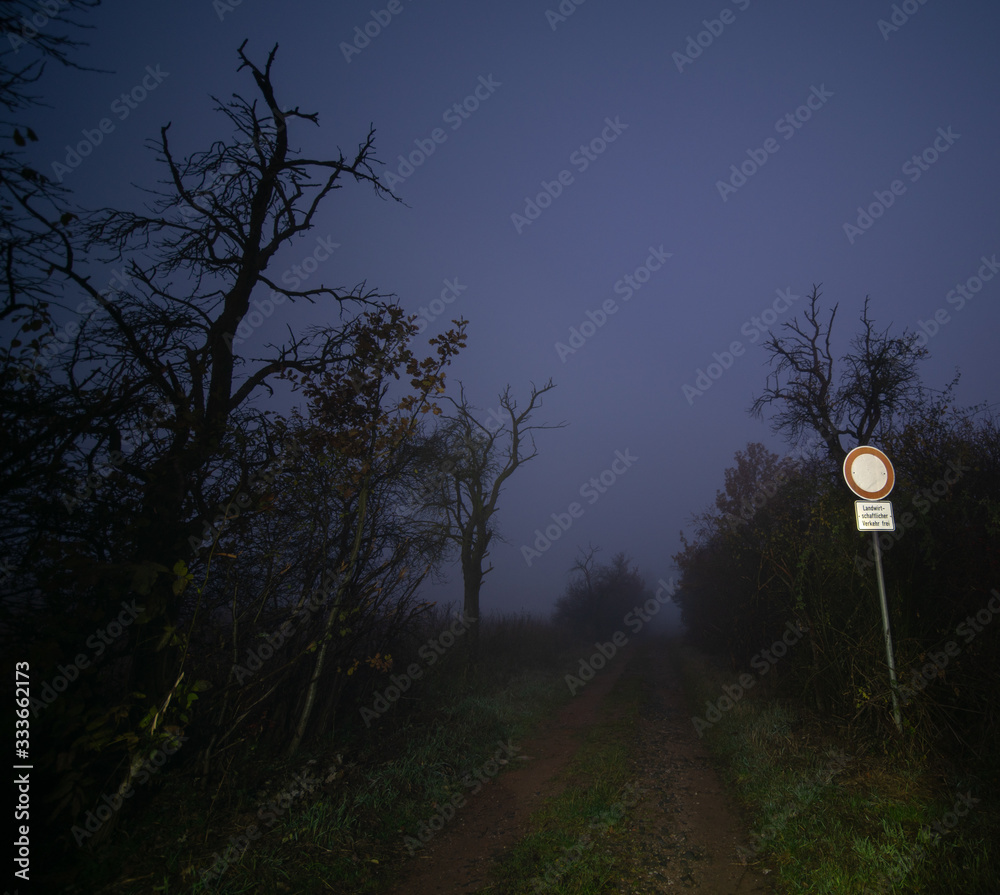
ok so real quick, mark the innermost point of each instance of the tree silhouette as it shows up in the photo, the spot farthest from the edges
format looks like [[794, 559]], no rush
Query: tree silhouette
[[878, 385], [131, 449], [481, 460]]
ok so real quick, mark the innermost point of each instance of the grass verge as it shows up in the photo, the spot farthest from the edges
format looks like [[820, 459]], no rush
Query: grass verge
[[835, 818]]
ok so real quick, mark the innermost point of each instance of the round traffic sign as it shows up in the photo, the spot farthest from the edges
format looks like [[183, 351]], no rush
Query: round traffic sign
[[869, 473]]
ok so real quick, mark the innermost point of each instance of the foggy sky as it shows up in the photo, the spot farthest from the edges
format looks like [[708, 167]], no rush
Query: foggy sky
[[621, 196]]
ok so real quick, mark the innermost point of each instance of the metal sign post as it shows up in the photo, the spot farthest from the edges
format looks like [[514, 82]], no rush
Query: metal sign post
[[870, 475], [888, 634]]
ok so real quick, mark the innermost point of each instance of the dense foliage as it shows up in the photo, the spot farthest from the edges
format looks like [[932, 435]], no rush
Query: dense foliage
[[781, 547]]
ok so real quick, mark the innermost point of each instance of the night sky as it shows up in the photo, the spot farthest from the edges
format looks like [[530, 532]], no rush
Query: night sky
[[613, 194]]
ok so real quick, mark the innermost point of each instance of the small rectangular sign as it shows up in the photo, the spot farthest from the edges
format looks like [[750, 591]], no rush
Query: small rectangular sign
[[874, 515]]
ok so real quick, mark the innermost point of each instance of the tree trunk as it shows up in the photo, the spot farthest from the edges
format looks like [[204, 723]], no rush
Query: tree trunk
[[473, 582]]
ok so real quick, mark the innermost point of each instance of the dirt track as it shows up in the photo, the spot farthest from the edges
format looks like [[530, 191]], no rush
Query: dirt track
[[682, 835]]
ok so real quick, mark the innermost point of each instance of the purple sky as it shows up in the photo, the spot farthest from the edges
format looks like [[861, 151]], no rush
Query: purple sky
[[636, 140]]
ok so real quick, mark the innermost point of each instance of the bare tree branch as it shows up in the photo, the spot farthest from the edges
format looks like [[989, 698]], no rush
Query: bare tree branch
[[879, 383]]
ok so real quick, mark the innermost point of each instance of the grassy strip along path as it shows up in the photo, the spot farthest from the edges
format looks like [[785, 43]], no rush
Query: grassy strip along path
[[565, 849], [834, 817]]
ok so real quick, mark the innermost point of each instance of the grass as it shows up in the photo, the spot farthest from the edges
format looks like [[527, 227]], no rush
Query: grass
[[832, 819]]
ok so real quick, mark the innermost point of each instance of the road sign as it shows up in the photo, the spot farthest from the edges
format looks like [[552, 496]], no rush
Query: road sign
[[874, 515], [869, 473]]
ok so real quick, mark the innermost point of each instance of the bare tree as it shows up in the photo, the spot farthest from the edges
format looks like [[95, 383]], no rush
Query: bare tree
[[879, 383], [482, 459], [221, 219], [154, 389]]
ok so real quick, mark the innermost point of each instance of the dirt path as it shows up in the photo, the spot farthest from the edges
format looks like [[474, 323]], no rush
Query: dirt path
[[458, 859], [683, 835]]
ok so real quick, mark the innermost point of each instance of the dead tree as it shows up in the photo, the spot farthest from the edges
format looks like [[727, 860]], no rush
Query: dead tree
[[155, 386], [482, 457], [879, 383]]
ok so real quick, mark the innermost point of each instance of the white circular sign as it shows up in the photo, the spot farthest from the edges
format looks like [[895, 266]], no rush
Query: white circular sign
[[868, 473]]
